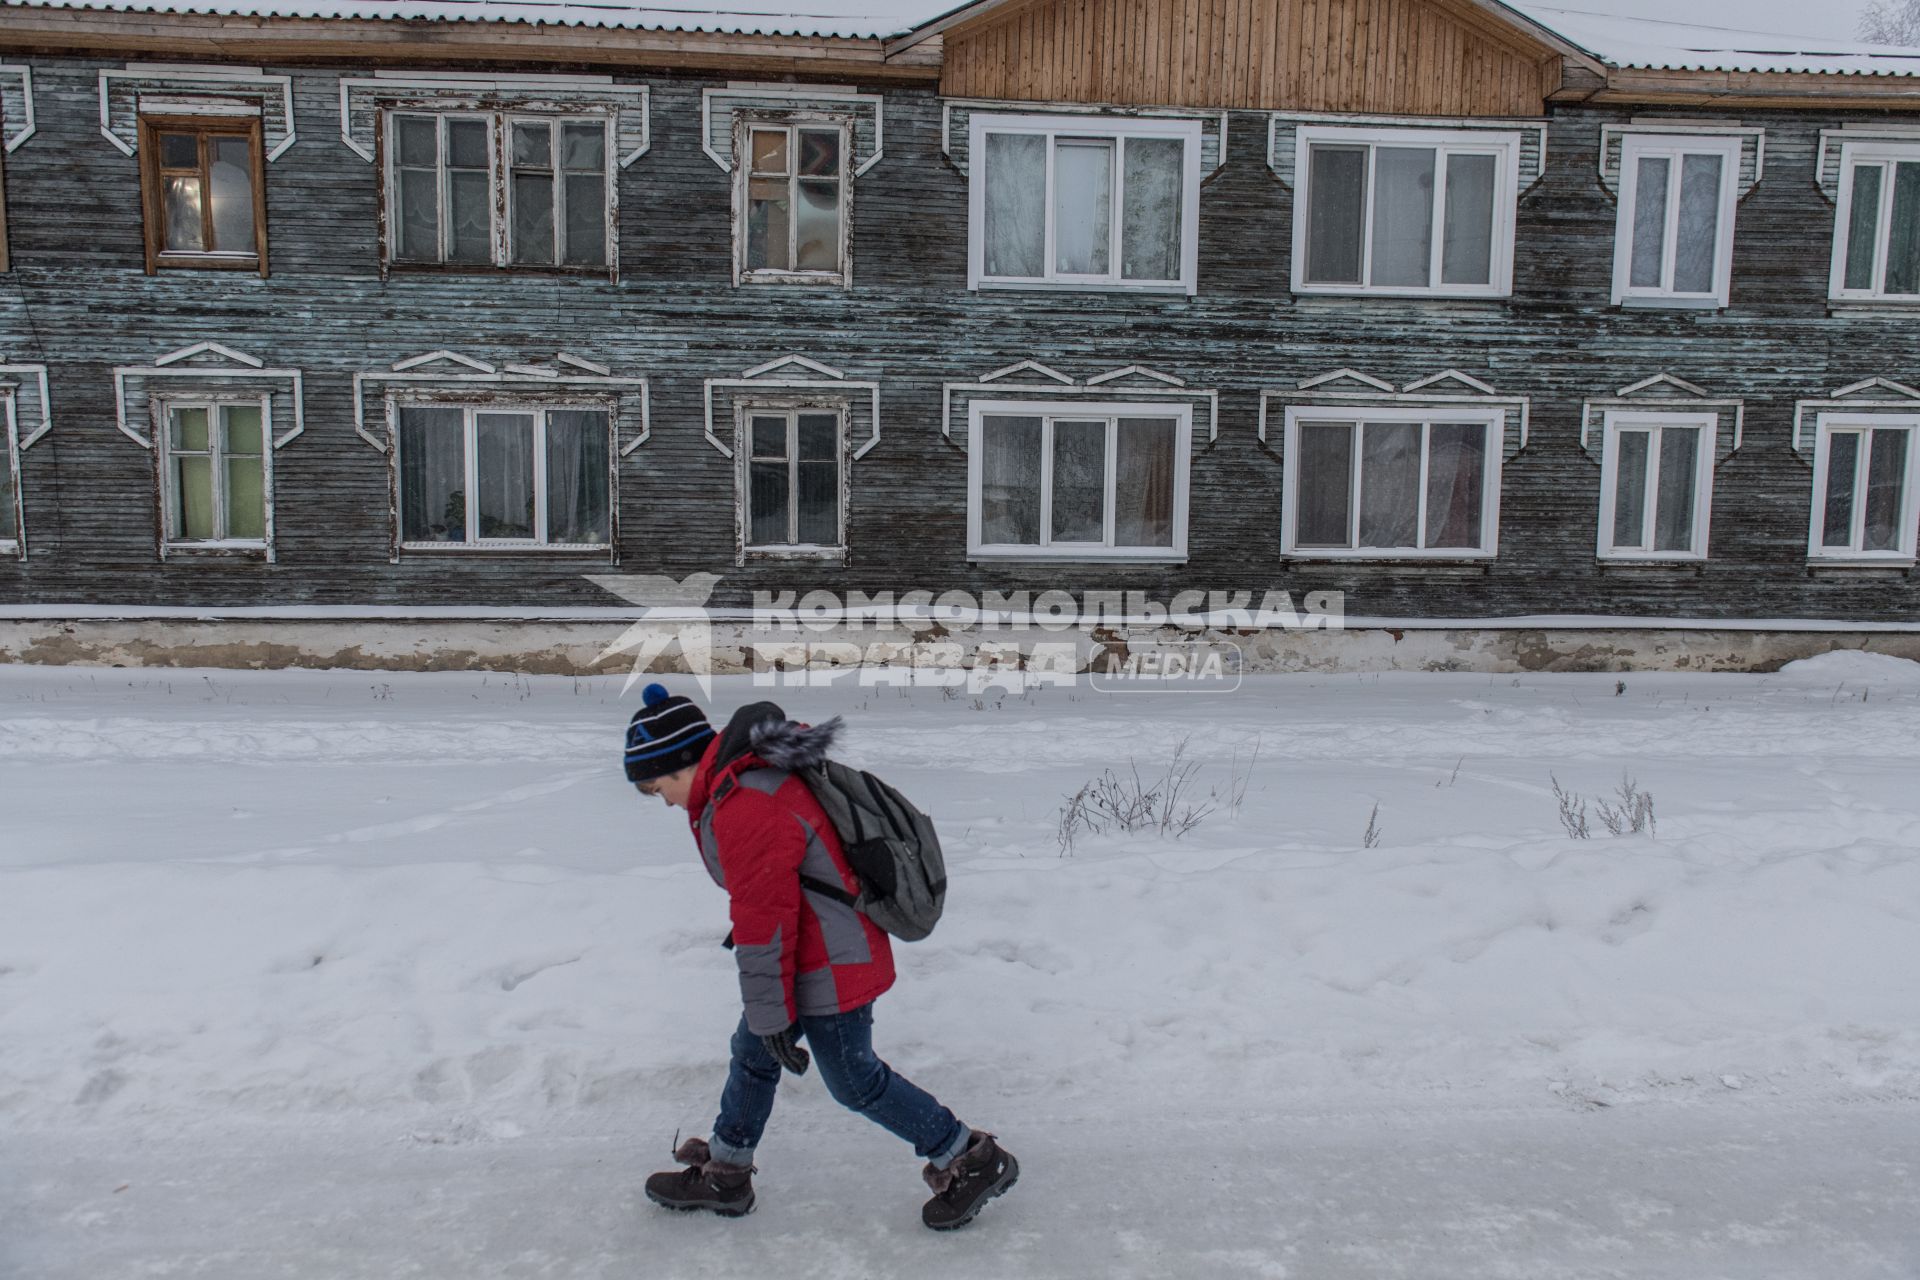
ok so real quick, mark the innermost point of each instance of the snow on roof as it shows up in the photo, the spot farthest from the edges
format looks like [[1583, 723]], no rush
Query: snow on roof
[[1664, 45]]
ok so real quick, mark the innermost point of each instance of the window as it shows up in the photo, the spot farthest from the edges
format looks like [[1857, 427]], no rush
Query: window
[[3, 202], [504, 476], [1410, 212], [1864, 476], [1097, 481], [499, 189], [1674, 242], [1399, 482], [793, 188], [1876, 237], [1070, 202], [203, 190], [1656, 486], [12, 510], [793, 481], [214, 474]]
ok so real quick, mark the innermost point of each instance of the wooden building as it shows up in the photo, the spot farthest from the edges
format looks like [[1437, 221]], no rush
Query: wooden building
[[1467, 316]]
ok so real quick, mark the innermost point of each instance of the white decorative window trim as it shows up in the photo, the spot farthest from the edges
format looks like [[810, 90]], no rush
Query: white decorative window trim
[[220, 365], [211, 90], [1350, 388], [1664, 393], [163, 403], [865, 112], [1852, 418], [956, 144], [789, 405], [1752, 139], [1613, 420], [430, 370], [16, 105], [772, 376], [361, 101], [1859, 396], [743, 179], [1675, 144], [13, 529], [42, 417], [1135, 383], [1284, 127], [1828, 168]]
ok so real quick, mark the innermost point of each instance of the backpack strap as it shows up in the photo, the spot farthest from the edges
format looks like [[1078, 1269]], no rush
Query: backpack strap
[[826, 890]]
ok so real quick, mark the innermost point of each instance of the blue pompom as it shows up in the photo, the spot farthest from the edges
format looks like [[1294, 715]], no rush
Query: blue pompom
[[654, 694]]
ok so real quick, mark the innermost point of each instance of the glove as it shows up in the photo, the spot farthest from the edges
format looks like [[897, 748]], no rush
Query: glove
[[786, 1050]]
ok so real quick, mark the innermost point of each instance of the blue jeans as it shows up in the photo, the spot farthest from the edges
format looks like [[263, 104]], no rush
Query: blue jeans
[[842, 1047]]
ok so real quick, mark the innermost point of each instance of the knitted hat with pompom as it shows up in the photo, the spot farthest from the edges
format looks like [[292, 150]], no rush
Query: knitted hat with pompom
[[669, 733]]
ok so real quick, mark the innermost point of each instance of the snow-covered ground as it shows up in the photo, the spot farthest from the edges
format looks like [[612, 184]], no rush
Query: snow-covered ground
[[326, 975]]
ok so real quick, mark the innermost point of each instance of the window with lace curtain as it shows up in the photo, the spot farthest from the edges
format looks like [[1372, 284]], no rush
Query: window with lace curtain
[[504, 476], [1674, 239], [1866, 482], [1656, 486], [1392, 482], [1876, 239]]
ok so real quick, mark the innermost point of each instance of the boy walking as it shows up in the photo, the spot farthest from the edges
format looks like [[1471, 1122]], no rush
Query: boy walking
[[810, 965]]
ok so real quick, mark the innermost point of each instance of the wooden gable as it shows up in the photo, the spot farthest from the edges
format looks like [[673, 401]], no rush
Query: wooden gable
[[1397, 57]]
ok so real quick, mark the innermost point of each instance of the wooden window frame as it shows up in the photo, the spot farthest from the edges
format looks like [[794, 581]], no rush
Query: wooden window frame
[[1493, 419], [745, 125], [1503, 145], [1618, 421], [791, 410], [6, 262], [1050, 411], [164, 407], [13, 524], [1888, 154], [1675, 147], [1837, 423], [153, 200]]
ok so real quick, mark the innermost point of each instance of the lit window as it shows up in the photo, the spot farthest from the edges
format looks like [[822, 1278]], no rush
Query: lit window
[[1392, 482], [504, 476]]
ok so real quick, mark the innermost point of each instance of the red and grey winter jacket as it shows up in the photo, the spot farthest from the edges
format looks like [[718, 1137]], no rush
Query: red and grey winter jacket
[[759, 827]]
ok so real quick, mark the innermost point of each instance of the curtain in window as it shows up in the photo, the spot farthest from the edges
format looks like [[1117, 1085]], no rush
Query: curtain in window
[[1083, 206], [1323, 490], [1403, 216], [1679, 472], [1079, 481], [1456, 484], [1010, 481], [1699, 237], [1466, 256], [433, 500], [245, 465], [1649, 264], [577, 477], [1016, 205], [1150, 219], [1390, 484], [231, 175], [1337, 216], [1143, 483], [1630, 490], [1843, 461], [1886, 482]]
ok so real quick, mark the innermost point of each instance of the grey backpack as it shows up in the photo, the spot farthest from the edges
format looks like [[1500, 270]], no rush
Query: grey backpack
[[889, 844]]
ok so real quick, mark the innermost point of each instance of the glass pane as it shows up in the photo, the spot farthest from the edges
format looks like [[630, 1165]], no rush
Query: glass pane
[[767, 225], [419, 215], [1903, 237], [1674, 505], [232, 184], [577, 471], [769, 437], [533, 217], [1334, 224], [769, 151], [817, 226], [586, 219], [1650, 224], [533, 144], [1466, 256], [1150, 216], [1843, 460], [1079, 482], [193, 497], [1082, 206], [466, 144], [190, 430], [246, 499], [470, 196], [767, 503], [583, 146], [419, 141], [1863, 226], [433, 500], [820, 504], [180, 151], [1143, 483], [1010, 481], [243, 429], [1699, 236], [184, 233], [1015, 234], [820, 152], [1403, 218], [1390, 484], [1630, 491], [819, 437], [1886, 483], [1324, 488], [1456, 483], [503, 447]]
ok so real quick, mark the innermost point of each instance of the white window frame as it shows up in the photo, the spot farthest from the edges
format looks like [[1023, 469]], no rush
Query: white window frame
[[1503, 145], [1049, 411], [164, 409], [792, 123], [745, 413], [1066, 125], [1675, 147], [1884, 152], [499, 122], [470, 471], [13, 526], [1494, 419], [1617, 420], [1829, 424]]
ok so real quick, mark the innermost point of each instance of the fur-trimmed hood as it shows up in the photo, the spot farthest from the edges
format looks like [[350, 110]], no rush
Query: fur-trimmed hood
[[763, 729]]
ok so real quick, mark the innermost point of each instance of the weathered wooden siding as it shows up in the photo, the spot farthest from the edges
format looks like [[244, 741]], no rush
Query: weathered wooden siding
[[1412, 57], [78, 300]]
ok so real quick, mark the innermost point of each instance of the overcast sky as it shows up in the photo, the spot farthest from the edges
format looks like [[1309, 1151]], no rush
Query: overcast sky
[[1838, 19]]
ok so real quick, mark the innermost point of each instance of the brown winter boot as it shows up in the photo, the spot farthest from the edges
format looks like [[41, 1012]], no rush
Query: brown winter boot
[[962, 1189], [706, 1183]]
